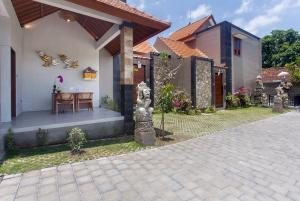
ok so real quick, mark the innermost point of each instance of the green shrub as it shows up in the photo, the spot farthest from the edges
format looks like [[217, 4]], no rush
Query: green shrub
[[76, 139], [245, 100], [182, 102], [232, 101], [210, 109], [165, 98], [10, 140], [108, 103], [42, 136]]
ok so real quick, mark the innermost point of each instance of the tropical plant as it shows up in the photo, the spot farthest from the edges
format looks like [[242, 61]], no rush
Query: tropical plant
[[76, 139], [42, 136], [165, 103], [211, 109], [110, 104], [182, 102], [165, 70], [232, 101], [280, 48], [243, 94], [10, 140], [294, 67]]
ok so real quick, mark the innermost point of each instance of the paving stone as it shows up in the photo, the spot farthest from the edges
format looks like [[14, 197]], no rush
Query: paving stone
[[64, 189], [72, 196], [26, 190], [46, 189], [48, 197], [256, 161]]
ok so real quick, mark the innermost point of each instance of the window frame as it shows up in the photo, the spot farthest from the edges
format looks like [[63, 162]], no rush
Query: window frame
[[237, 46]]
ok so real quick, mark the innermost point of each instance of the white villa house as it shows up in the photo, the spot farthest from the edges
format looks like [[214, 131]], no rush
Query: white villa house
[[72, 36]]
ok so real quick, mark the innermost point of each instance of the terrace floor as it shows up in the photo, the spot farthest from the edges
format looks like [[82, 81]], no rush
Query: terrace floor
[[256, 161], [28, 121]]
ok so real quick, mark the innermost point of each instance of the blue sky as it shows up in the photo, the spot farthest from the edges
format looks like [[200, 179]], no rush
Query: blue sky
[[259, 17]]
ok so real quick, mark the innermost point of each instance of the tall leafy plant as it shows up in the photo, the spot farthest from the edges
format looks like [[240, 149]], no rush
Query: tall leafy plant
[[166, 69], [294, 67], [165, 103]]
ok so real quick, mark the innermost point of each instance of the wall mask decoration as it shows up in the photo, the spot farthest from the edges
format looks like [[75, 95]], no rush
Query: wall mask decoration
[[70, 63], [89, 74], [48, 60]]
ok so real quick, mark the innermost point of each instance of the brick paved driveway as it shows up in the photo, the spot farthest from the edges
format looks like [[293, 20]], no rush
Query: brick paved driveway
[[258, 161]]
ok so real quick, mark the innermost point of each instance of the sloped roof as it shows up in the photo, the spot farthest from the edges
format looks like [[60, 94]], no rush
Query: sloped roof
[[181, 49], [144, 48], [271, 74], [190, 29], [145, 25], [123, 10]]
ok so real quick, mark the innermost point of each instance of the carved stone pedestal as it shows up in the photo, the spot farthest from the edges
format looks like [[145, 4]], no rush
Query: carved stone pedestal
[[145, 136], [278, 106]]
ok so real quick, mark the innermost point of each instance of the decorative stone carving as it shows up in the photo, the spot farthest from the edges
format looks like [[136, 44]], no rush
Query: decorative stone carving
[[260, 97], [278, 104], [144, 132], [281, 100]]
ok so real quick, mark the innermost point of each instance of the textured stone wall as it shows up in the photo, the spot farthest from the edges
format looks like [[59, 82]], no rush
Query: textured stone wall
[[203, 84]]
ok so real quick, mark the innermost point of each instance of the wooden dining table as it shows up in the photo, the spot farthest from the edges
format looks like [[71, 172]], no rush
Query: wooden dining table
[[76, 95]]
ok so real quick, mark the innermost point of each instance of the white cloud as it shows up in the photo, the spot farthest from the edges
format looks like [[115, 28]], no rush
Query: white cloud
[[141, 5], [201, 11], [245, 7], [261, 21], [157, 3], [238, 22], [269, 16]]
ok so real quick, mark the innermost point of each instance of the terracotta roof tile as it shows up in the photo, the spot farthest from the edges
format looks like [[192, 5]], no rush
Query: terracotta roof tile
[[124, 6], [271, 74], [123, 10], [181, 49], [144, 48], [189, 29]]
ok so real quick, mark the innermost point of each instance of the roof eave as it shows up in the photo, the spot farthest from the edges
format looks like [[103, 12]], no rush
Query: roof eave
[[132, 17]]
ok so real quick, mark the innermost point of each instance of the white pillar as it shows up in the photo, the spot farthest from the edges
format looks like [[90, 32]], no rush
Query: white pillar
[[5, 69]]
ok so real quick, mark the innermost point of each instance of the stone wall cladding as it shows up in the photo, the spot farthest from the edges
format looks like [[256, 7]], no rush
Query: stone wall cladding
[[203, 83]]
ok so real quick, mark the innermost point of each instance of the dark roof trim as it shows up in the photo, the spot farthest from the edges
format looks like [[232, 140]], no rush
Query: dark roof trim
[[244, 31], [232, 25]]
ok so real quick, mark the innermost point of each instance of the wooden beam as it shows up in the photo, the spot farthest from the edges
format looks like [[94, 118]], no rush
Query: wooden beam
[[111, 34], [81, 10]]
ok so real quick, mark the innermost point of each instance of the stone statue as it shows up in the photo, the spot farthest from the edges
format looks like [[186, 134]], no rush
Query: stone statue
[[278, 103], [260, 97], [144, 132]]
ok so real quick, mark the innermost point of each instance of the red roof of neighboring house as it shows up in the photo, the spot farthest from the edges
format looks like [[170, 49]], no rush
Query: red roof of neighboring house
[[190, 29], [271, 74], [144, 48], [181, 49]]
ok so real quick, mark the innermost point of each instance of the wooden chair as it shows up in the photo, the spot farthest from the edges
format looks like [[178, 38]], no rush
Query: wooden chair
[[65, 99], [85, 98]]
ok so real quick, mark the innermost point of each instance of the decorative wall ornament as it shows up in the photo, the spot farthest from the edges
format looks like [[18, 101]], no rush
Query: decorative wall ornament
[[48, 60], [144, 132], [89, 74], [70, 63]]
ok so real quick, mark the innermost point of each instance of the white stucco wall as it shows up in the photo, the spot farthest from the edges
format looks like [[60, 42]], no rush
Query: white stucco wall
[[11, 36], [55, 36], [246, 67], [106, 74]]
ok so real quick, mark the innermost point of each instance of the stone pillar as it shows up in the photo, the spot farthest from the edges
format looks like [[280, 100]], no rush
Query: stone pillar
[[126, 79]]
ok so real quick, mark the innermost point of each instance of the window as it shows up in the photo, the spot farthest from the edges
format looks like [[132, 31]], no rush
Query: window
[[237, 46]]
